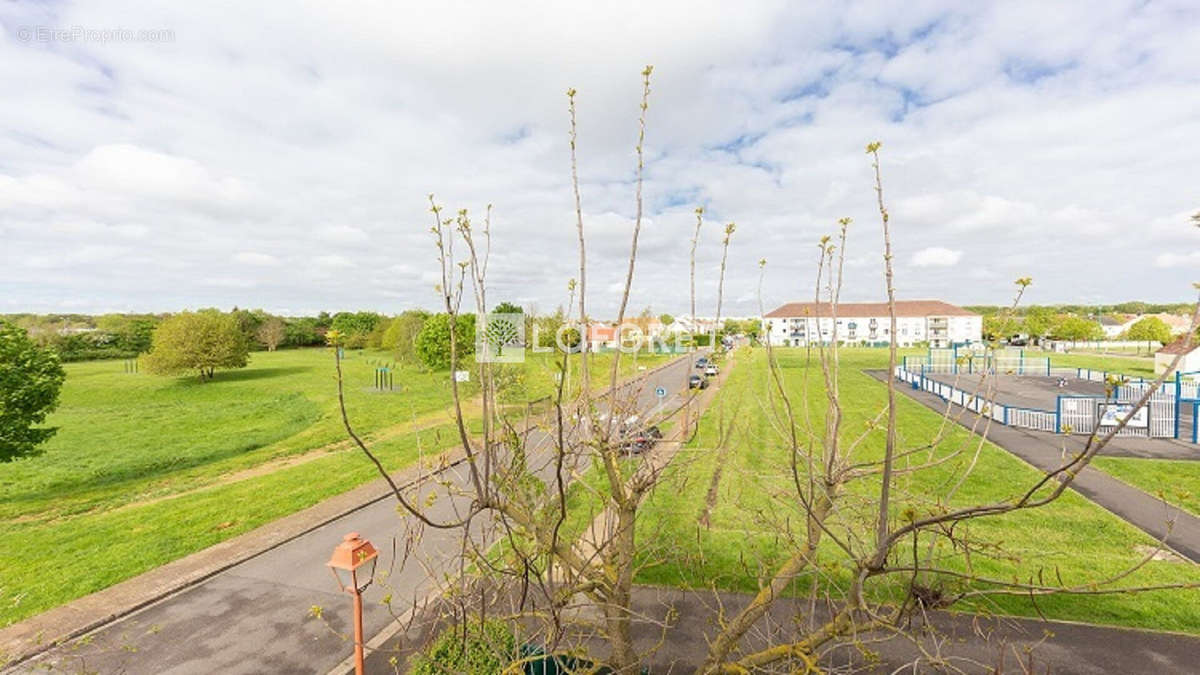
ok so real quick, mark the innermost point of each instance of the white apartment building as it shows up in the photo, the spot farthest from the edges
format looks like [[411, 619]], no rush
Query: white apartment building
[[798, 324]]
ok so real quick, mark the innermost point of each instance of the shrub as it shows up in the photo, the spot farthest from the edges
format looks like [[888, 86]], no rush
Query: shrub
[[481, 649]]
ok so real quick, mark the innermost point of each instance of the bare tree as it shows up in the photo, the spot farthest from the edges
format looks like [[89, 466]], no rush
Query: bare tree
[[272, 333], [521, 492], [729, 230], [877, 544], [564, 533]]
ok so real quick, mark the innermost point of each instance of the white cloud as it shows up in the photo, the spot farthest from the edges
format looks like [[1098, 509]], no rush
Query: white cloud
[[332, 261], [1178, 259], [258, 259], [342, 234], [125, 168], [1054, 135], [229, 282], [936, 256]]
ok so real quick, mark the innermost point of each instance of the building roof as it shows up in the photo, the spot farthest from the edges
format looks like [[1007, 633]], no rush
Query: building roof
[[601, 333], [1179, 346], [921, 308], [1109, 321], [1174, 321]]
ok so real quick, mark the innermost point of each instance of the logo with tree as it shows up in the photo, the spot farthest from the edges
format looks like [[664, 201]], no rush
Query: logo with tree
[[501, 339]]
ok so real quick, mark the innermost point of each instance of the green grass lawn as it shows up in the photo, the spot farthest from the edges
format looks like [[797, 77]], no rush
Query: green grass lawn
[[147, 469], [1141, 366], [755, 513], [1175, 481]]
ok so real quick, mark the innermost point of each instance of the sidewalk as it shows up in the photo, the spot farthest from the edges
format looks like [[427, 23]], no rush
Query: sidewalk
[[1072, 648]]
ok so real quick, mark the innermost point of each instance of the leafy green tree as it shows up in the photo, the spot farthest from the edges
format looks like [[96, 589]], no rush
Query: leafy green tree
[[30, 379], [401, 335], [133, 332], [507, 308], [751, 328], [433, 342], [997, 327], [248, 322], [1150, 328], [303, 332], [355, 323], [201, 341], [1077, 328], [544, 329], [375, 337], [666, 319], [1038, 322]]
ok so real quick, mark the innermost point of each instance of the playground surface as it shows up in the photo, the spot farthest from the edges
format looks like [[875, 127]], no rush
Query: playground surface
[[1041, 392], [1038, 392]]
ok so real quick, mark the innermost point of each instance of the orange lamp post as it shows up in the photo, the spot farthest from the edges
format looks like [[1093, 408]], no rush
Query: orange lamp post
[[353, 566]]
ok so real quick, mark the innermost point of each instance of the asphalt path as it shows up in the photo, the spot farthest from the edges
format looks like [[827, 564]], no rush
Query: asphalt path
[[255, 617]]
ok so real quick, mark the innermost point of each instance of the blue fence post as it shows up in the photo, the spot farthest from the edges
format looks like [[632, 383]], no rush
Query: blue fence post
[[1195, 426], [1058, 414], [1179, 406], [1047, 366], [1005, 415]]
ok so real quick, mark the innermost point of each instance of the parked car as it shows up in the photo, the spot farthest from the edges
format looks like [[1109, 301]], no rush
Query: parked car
[[641, 440], [697, 382], [710, 370], [702, 362]]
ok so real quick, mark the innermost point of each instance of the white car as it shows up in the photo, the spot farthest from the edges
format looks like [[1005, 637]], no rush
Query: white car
[[710, 370]]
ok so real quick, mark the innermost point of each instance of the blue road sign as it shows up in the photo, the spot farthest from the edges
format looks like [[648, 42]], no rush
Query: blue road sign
[[661, 392]]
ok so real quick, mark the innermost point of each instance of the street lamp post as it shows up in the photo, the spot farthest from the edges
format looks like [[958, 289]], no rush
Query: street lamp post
[[349, 567]]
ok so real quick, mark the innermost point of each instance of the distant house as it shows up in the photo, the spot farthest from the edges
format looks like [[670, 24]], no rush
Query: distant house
[[938, 323], [649, 326], [1190, 362], [692, 325], [1112, 327], [601, 336]]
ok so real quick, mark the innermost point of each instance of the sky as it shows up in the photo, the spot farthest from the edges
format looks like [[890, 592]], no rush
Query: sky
[[280, 155]]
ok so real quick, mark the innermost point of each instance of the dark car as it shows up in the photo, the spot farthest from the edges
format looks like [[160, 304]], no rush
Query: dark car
[[702, 362], [641, 440], [697, 382]]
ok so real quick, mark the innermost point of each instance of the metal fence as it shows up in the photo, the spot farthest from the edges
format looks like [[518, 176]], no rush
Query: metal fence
[[1078, 414], [1040, 420], [975, 360], [1067, 345]]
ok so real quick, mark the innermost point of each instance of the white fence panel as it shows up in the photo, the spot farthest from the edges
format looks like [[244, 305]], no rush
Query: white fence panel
[[1039, 420], [1078, 414]]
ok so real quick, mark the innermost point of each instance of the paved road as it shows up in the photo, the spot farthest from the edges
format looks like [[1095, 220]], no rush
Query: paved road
[[1044, 451], [254, 617]]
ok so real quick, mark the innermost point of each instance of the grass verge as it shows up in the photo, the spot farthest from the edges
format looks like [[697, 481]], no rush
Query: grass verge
[[755, 514]]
